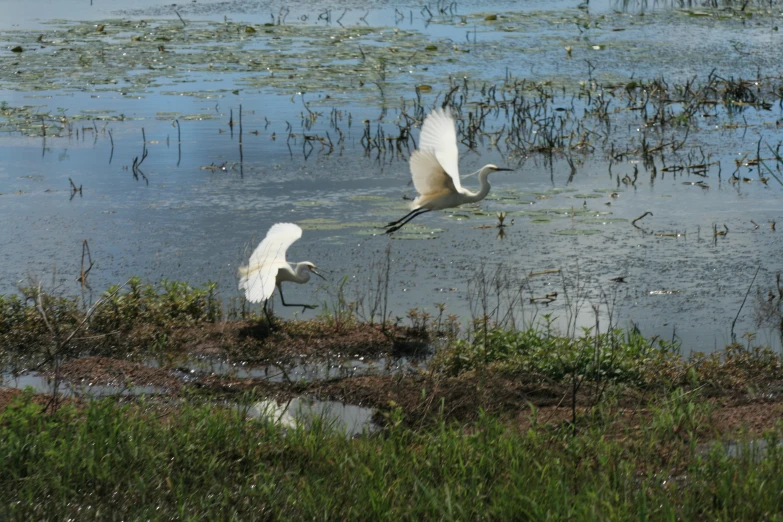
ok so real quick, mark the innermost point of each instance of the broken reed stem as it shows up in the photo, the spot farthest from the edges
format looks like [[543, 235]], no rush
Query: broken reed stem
[[733, 335], [87, 315], [56, 335], [83, 276], [640, 217]]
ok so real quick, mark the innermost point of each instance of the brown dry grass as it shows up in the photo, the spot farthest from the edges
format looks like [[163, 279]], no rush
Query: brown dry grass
[[106, 371], [252, 340]]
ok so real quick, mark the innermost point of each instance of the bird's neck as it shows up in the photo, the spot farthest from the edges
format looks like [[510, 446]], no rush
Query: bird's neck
[[301, 273], [483, 186]]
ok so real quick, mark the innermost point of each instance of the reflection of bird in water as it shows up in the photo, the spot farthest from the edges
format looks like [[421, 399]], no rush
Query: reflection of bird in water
[[268, 268], [270, 409], [435, 170]]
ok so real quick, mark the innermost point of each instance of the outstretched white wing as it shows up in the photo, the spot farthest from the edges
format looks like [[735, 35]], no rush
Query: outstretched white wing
[[429, 178], [258, 277], [439, 136]]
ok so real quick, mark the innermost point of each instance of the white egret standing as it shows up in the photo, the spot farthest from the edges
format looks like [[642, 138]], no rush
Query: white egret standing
[[435, 170], [268, 268]]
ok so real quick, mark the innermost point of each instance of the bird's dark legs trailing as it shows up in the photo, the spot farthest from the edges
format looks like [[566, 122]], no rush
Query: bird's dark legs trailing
[[304, 306], [396, 225], [414, 212]]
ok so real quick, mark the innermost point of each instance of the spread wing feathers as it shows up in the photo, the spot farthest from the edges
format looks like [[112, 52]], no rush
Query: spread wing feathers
[[439, 135], [258, 277], [429, 178]]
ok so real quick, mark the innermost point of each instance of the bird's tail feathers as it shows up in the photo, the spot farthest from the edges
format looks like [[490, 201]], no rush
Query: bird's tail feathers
[[244, 279], [423, 200]]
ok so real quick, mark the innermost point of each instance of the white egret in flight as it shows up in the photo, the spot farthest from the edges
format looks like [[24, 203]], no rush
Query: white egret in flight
[[268, 268], [435, 170]]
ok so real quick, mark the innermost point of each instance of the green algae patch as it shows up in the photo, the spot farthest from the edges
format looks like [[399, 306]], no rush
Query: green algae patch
[[555, 213], [134, 56], [333, 224], [576, 232], [311, 203], [200, 117], [417, 231], [602, 221], [361, 197]]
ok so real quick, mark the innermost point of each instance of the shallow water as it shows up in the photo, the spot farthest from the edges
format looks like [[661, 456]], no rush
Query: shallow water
[[194, 222], [302, 370], [304, 412], [43, 384]]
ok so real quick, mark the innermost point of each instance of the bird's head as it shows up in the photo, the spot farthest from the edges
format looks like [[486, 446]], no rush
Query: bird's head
[[309, 267], [486, 170], [495, 168]]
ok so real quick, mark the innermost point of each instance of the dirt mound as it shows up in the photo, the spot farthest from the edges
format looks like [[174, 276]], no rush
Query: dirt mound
[[104, 371]]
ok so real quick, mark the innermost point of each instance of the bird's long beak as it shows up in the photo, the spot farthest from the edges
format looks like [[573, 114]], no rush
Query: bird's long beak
[[502, 168], [313, 270]]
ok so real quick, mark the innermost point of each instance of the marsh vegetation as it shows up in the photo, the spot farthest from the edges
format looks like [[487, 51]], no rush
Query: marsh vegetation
[[598, 339], [591, 422]]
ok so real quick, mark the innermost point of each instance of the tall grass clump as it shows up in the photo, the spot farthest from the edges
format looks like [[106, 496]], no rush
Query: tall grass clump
[[171, 304], [615, 355]]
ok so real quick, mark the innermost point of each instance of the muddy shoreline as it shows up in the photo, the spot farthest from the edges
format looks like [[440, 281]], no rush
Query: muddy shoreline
[[742, 388]]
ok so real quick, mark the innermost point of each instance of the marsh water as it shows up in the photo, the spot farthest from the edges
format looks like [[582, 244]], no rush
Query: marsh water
[[245, 114]]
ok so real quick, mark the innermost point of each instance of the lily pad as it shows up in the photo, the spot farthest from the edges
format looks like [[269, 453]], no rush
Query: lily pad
[[576, 232], [311, 203], [199, 117], [333, 224], [408, 236], [367, 198], [602, 221], [415, 231], [377, 231]]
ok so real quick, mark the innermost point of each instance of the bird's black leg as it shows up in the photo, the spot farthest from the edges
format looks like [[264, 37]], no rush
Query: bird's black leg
[[414, 212], [392, 227], [304, 306]]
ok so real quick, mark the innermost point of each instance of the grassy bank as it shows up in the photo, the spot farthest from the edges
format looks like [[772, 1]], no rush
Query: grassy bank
[[502, 424], [105, 461]]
